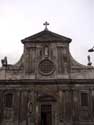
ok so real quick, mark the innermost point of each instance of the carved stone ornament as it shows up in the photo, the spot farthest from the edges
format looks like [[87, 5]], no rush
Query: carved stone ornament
[[46, 67]]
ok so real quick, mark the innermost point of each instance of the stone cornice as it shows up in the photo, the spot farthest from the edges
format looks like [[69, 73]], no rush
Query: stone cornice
[[47, 82]]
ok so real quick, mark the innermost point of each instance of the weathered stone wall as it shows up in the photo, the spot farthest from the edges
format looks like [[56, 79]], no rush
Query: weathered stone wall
[[65, 101]]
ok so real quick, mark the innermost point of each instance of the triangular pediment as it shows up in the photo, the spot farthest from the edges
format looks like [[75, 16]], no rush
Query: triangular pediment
[[46, 36]]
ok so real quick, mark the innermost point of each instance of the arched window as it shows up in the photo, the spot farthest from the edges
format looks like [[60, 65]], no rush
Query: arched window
[[8, 100]]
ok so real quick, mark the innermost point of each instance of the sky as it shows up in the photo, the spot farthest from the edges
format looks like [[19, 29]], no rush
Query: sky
[[23, 18]]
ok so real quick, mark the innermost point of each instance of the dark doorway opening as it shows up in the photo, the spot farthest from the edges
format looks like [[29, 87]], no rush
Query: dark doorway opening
[[46, 114]]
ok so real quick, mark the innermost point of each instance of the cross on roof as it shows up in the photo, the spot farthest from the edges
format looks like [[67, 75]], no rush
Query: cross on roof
[[46, 24]]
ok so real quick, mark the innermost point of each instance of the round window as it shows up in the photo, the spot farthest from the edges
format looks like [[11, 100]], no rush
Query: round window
[[46, 67]]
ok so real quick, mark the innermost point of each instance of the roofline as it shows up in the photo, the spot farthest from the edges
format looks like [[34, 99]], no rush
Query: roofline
[[37, 41], [38, 34]]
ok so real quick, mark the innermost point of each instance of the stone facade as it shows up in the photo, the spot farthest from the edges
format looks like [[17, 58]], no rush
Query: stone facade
[[47, 86]]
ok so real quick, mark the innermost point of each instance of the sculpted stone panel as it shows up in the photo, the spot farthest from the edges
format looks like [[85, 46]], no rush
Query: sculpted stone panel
[[30, 60], [60, 60]]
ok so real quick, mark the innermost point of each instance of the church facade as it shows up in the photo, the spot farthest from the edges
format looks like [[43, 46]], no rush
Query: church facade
[[47, 86]]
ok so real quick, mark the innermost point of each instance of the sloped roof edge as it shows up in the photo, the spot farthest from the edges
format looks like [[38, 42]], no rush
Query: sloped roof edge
[[53, 36]]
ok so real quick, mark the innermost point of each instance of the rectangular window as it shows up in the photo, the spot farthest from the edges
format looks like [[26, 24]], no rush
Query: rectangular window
[[84, 99], [8, 100]]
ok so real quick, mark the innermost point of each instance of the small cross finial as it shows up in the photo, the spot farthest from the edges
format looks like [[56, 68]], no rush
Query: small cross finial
[[46, 24]]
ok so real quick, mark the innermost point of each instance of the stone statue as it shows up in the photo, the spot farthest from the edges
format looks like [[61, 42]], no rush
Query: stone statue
[[89, 60], [4, 61]]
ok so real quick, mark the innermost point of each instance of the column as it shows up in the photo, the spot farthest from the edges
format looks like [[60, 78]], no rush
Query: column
[[61, 106], [35, 109], [92, 105], [19, 106], [75, 106], [1, 107], [68, 105]]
